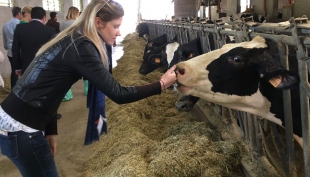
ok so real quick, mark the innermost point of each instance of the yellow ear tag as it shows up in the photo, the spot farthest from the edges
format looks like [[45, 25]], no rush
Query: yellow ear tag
[[275, 81], [157, 60]]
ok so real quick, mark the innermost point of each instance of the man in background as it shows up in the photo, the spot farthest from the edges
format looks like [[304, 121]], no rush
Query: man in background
[[28, 39], [53, 22], [7, 33]]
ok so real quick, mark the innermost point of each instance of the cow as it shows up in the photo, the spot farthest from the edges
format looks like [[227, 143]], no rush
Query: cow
[[170, 54], [174, 52], [142, 29], [242, 76], [152, 47]]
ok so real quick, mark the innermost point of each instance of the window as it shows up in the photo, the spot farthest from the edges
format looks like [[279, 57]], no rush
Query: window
[[7, 3], [51, 5], [150, 9], [244, 4], [78, 4]]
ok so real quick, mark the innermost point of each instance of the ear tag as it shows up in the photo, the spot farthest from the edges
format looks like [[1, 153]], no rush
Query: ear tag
[[275, 81], [157, 60]]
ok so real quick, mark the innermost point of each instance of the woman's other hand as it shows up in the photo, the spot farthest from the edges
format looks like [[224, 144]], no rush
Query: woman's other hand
[[51, 140]]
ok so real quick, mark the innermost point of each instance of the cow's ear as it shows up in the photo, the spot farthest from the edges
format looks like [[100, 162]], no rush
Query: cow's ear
[[156, 59], [283, 79], [160, 49], [188, 53]]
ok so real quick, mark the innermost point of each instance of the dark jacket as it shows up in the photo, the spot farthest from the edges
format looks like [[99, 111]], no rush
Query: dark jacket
[[38, 93], [54, 24], [28, 39]]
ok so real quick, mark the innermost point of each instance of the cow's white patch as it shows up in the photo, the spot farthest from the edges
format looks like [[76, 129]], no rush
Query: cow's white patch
[[170, 49]]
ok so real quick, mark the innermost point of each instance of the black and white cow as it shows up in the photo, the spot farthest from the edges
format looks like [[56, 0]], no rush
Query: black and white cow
[[174, 53], [170, 54], [152, 47], [142, 29], [242, 76]]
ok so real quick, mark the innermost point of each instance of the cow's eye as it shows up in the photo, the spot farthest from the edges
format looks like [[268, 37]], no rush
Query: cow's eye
[[237, 59]]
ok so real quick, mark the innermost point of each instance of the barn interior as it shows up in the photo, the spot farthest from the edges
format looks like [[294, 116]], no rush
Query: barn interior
[[151, 137]]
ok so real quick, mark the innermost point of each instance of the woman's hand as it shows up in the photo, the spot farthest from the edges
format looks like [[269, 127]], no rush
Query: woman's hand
[[168, 78], [51, 140]]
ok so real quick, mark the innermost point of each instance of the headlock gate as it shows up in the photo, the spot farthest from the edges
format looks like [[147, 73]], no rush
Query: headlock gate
[[295, 33]]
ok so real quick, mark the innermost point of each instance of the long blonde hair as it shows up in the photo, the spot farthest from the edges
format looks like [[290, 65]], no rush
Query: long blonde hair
[[73, 13], [110, 11]]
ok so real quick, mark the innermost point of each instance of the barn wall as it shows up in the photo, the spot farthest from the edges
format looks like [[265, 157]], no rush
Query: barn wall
[[214, 13], [301, 7], [272, 8], [231, 7], [185, 8], [258, 6]]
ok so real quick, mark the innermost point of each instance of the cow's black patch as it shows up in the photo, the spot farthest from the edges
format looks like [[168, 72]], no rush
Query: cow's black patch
[[236, 72]]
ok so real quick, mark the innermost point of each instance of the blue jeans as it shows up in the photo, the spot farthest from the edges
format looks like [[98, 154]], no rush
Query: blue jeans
[[30, 153]]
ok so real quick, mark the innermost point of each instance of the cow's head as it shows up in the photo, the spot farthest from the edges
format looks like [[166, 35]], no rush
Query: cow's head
[[153, 53], [175, 53], [231, 76]]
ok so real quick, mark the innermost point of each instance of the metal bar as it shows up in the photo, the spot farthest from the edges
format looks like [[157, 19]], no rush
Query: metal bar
[[246, 129], [304, 100], [241, 123], [251, 135], [281, 149], [258, 137], [268, 152], [283, 52]]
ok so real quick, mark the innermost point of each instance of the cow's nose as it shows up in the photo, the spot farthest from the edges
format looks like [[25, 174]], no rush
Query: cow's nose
[[181, 70]]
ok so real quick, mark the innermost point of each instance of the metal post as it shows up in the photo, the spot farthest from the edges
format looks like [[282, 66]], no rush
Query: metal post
[[283, 52], [304, 99]]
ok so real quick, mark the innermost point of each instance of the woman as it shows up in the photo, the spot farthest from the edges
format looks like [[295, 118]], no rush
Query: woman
[[26, 14], [72, 15], [76, 52]]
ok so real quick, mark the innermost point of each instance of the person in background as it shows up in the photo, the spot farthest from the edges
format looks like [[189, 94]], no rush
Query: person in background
[[7, 34], [26, 14], [72, 14], [28, 38], [76, 52], [53, 22]]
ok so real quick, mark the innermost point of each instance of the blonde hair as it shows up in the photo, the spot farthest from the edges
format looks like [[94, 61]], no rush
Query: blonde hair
[[73, 13], [26, 9], [111, 11]]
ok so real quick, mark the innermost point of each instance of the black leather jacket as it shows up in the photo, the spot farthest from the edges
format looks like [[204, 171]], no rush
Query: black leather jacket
[[38, 93]]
